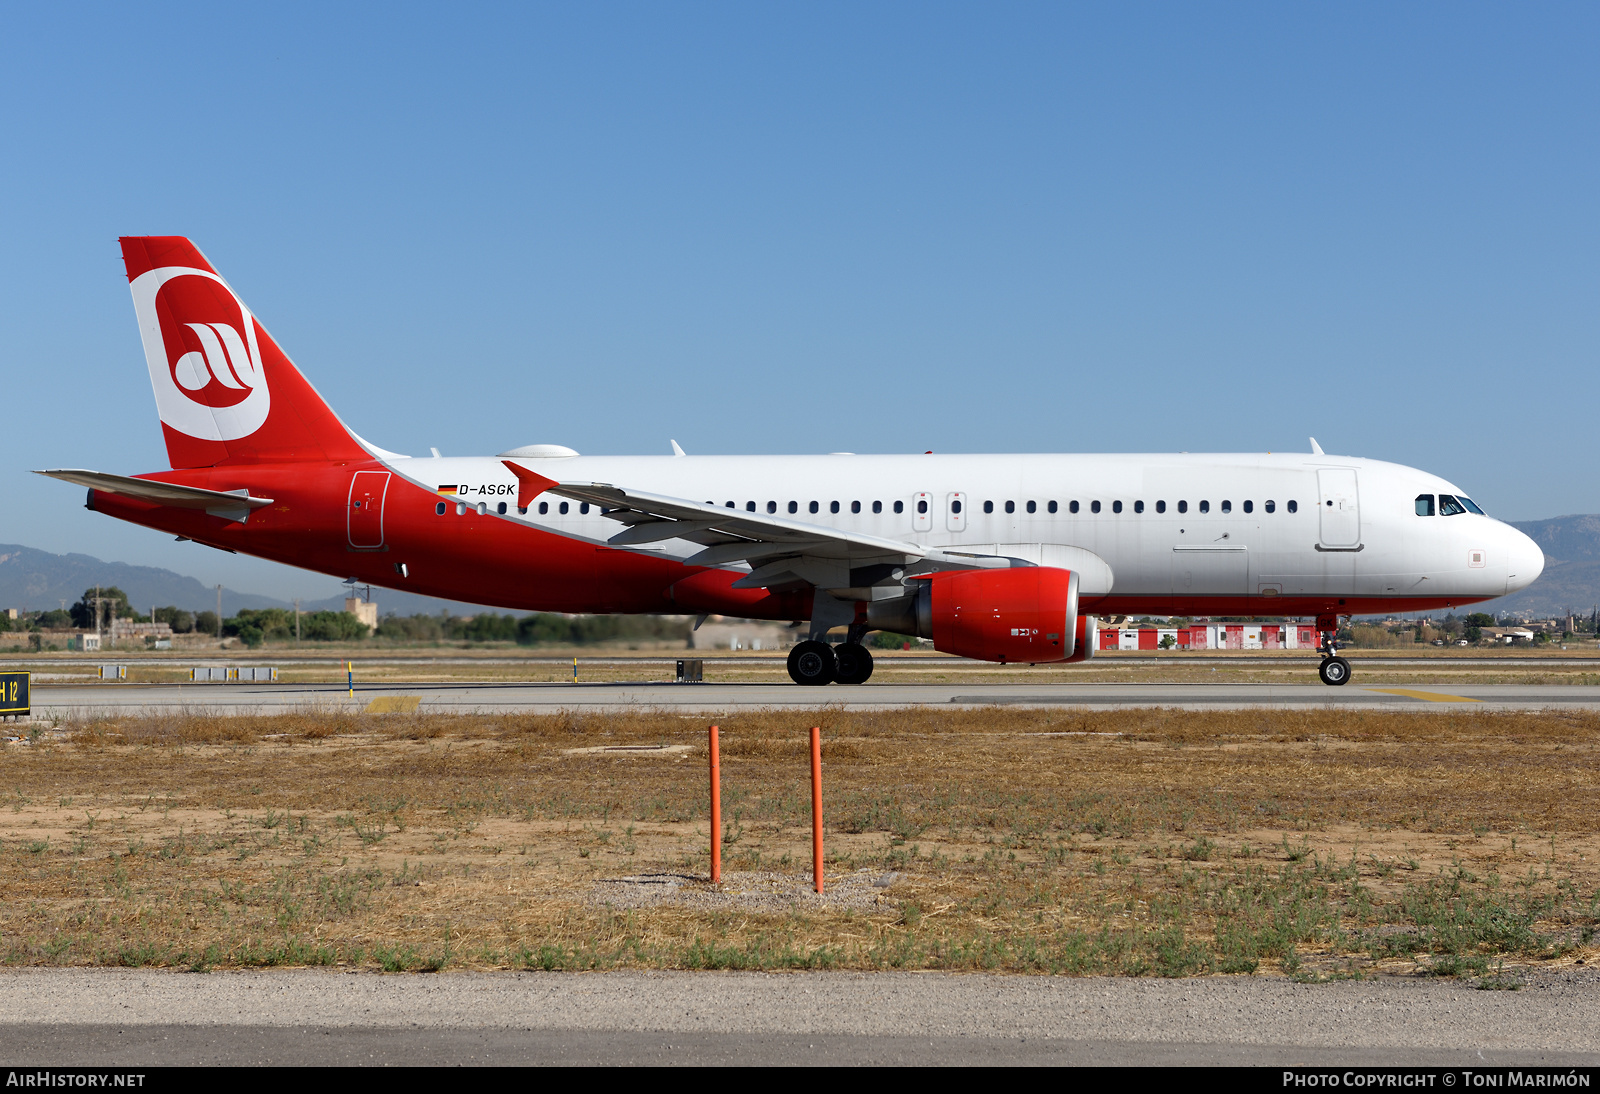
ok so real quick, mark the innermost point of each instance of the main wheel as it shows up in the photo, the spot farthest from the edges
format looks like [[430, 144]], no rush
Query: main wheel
[[852, 663], [1334, 671], [811, 663]]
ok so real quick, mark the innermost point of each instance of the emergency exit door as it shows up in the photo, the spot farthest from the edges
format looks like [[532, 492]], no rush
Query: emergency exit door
[[364, 512]]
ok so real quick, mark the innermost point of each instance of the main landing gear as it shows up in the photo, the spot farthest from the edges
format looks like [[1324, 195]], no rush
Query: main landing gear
[[817, 663], [1334, 670]]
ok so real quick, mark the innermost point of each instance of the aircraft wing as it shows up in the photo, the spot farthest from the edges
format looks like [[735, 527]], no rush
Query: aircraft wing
[[231, 504], [781, 553]]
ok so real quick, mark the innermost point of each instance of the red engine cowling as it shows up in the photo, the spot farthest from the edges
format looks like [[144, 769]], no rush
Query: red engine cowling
[[1029, 613]]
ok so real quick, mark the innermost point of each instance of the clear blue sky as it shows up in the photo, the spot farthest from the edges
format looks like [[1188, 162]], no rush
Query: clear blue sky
[[804, 228]]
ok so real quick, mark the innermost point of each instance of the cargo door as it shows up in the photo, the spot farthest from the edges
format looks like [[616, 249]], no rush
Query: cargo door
[[364, 513], [1340, 506]]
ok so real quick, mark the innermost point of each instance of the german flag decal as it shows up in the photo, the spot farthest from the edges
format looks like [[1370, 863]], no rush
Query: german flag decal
[[448, 491]]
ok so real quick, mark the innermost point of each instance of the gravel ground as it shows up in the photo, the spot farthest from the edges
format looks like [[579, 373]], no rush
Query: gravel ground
[[745, 891]]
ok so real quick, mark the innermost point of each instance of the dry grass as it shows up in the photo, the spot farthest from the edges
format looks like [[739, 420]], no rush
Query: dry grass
[[1126, 841]]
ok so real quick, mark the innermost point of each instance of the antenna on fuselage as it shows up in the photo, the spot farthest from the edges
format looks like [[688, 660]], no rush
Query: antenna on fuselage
[[1316, 449]]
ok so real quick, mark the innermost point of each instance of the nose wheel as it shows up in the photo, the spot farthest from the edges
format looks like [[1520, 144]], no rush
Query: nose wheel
[[1334, 671]]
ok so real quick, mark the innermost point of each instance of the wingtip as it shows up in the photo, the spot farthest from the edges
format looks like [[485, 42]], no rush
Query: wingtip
[[1316, 449]]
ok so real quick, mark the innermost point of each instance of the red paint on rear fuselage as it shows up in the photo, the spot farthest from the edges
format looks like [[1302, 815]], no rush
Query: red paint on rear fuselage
[[481, 558]]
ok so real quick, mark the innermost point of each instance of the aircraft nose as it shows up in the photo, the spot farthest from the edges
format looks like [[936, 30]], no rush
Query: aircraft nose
[[1524, 561]]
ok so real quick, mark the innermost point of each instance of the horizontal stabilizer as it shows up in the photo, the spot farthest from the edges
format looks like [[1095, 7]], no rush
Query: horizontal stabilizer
[[230, 504]]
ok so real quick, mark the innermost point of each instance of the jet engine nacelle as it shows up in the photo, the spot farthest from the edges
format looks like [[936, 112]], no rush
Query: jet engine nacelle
[[1027, 613]]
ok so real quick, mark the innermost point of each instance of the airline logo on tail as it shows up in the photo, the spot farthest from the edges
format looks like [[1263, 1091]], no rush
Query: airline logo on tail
[[202, 350]]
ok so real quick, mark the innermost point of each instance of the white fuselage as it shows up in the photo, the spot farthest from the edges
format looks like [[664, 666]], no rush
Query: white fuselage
[[1167, 530]]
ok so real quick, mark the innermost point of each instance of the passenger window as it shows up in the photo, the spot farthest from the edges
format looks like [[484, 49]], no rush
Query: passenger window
[[813, 507], [1271, 505], [564, 508], [439, 509], [1161, 507], [1116, 507], [955, 507], [1293, 506], [1073, 507], [732, 506], [501, 509], [899, 507], [544, 507], [1138, 507], [1205, 507], [1249, 506], [772, 507], [1227, 506], [833, 507], [1424, 505], [1094, 507], [1051, 507], [877, 507], [1183, 507], [750, 506], [988, 507], [584, 508], [1471, 505], [855, 507], [1033, 507], [1011, 507], [1449, 506], [794, 507], [922, 506]]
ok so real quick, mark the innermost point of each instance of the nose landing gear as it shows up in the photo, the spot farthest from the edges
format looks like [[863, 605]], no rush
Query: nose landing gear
[[1334, 670]]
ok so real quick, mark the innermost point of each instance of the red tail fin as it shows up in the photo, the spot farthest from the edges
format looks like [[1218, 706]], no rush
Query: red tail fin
[[225, 391]]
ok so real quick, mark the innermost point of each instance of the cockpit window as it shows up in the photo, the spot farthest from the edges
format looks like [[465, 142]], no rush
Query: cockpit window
[[1450, 507], [1424, 505], [1471, 505]]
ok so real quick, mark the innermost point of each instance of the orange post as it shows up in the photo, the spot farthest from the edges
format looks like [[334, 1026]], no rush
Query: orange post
[[716, 812], [816, 805]]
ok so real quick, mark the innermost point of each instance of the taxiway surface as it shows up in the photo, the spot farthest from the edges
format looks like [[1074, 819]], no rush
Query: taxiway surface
[[76, 701], [101, 1017]]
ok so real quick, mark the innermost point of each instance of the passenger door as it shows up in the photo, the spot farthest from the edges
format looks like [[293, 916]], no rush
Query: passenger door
[[1340, 506], [364, 512]]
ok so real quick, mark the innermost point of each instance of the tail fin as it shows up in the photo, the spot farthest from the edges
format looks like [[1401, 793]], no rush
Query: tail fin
[[225, 391]]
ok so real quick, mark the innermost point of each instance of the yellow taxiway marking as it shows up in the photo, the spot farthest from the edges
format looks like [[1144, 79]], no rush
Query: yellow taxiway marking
[[394, 704], [1430, 696]]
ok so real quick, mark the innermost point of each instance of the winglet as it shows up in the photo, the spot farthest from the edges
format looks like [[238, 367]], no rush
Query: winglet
[[529, 485], [677, 449], [1316, 449]]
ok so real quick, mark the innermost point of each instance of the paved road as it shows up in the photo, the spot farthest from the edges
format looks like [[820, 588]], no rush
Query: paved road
[[65, 701], [129, 1018]]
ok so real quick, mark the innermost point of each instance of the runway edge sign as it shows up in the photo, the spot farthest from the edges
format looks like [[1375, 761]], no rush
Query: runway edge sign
[[14, 689]]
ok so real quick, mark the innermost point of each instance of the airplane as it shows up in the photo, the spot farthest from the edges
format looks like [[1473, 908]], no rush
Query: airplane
[[1002, 558]]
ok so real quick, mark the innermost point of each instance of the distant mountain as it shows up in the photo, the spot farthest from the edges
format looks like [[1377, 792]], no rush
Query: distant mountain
[[1571, 578], [35, 580]]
